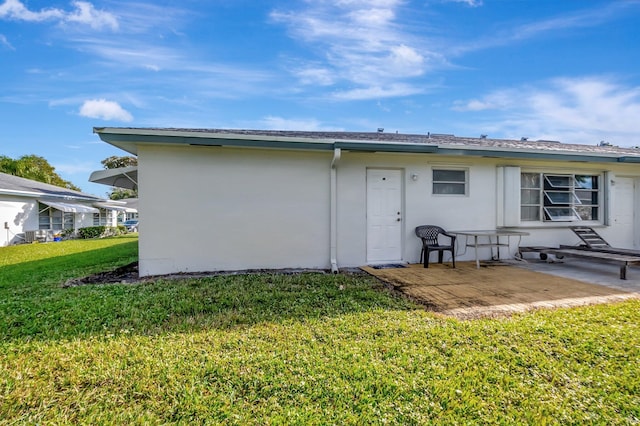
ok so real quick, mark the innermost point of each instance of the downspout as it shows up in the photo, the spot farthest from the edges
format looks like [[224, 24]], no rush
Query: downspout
[[334, 211]]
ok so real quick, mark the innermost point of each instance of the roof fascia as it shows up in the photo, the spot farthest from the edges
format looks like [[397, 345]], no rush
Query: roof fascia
[[386, 147], [529, 155], [20, 193], [127, 139], [629, 159], [32, 194]]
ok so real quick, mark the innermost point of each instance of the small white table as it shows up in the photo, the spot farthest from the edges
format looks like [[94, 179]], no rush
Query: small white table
[[489, 234]]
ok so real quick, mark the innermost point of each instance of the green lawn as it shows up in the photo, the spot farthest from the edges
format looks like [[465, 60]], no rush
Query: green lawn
[[291, 349]]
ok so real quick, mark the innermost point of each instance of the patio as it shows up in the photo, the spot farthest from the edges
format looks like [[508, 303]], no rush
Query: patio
[[499, 289]]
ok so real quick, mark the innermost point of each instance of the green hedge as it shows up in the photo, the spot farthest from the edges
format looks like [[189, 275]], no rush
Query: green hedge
[[101, 231]]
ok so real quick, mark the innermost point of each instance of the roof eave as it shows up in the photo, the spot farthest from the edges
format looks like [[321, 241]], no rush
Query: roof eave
[[628, 159], [123, 177], [35, 194], [128, 139], [530, 155]]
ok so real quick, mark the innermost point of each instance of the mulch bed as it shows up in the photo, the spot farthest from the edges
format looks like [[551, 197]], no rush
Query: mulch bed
[[122, 275]]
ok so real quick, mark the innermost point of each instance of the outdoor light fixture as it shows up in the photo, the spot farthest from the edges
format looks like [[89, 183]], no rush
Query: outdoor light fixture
[[414, 177]]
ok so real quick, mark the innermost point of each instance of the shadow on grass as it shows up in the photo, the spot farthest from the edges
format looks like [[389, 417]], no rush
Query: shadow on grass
[[39, 308]]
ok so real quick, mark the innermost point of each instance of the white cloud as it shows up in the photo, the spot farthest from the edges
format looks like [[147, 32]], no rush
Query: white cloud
[[500, 99], [507, 34], [104, 110], [4, 42], [315, 76], [378, 92], [84, 13], [575, 110], [365, 3], [406, 60], [472, 3], [16, 10], [364, 44], [75, 168], [372, 17], [280, 123]]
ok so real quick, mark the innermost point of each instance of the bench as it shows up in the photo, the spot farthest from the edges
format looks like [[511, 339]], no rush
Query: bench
[[623, 260], [611, 250]]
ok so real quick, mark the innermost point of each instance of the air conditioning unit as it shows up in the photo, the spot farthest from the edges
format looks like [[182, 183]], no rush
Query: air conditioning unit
[[38, 235]]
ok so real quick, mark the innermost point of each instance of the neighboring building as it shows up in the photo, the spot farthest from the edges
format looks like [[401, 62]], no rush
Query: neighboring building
[[36, 211], [130, 211], [241, 199]]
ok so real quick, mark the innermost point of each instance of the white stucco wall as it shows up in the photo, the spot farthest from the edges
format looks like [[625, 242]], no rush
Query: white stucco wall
[[420, 206], [20, 214], [477, 210], [83, 220], [214, 208]]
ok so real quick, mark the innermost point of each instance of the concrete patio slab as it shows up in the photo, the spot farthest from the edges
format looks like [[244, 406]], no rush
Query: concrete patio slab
[[500, 289], [581, 270]]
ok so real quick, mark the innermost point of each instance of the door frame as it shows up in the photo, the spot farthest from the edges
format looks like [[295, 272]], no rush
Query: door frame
[[402, 202], [635, 206]]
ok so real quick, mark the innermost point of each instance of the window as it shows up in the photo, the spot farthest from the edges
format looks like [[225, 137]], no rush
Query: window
[[50, 218], [559, 197], [449, 182], [103, 218]]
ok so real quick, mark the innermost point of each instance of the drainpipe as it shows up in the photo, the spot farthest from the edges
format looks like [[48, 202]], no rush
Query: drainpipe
[[334, 210]]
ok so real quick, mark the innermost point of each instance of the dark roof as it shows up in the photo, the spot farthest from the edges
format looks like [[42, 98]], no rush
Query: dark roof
[[21, 186], [441, 143], [429, 138]]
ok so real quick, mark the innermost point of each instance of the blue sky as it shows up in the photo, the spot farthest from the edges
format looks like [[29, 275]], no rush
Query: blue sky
[[543, 69]]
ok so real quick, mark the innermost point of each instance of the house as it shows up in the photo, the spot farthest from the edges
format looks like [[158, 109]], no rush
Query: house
[[36, 211], [290, 199]]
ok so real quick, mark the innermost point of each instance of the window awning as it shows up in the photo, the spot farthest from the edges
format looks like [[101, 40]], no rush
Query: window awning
[[122, 208], [70, 207], [123, 177]]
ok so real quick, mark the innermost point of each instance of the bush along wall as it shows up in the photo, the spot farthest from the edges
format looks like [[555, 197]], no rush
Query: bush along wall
[[101, 231]]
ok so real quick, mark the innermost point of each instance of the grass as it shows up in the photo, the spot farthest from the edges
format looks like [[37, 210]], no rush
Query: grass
[[291, 349]]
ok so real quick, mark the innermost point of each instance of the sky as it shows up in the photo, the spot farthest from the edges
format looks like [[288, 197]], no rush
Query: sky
[[542, 69]]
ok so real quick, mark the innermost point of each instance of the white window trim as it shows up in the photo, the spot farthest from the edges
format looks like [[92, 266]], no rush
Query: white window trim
[[452, 168], [103, 220], [49, 213], [564, 220]]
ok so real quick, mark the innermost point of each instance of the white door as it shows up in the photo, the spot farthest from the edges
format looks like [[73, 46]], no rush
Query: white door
[[623, 211], [384, 216]]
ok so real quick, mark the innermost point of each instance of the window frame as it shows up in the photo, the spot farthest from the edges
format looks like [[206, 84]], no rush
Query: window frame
[[52, 219], [552, 210], [464, 183], [103, 218]]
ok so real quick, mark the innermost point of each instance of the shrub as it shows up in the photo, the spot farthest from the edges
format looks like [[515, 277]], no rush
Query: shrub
[[68, 234], [91, 232], [101, 231]]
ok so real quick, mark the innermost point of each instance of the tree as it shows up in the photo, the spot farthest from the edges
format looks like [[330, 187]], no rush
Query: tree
[[8, 165], [122, 193], [115, 162], [35, 168]]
